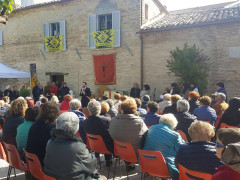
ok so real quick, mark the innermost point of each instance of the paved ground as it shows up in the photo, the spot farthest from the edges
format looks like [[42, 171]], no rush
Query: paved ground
[[133, 175]]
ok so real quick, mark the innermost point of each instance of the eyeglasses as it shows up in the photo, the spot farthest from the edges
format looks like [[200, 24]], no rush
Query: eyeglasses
[[218, 145]]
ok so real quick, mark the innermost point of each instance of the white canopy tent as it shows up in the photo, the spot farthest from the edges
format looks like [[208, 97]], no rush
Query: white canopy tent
[[7, 72]]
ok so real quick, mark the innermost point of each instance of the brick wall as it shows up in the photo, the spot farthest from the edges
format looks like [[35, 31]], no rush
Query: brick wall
[[215, 41], [23, 40]]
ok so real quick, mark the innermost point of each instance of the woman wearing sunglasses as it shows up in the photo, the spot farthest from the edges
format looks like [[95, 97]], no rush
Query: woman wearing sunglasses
[[228, 150]]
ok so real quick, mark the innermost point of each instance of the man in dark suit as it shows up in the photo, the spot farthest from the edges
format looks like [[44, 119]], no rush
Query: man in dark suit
[[86, 94], [36, 92], [63, 91]]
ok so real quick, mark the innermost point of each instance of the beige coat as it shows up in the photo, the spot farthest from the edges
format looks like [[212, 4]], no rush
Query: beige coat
[[128, 128], [231, 156]]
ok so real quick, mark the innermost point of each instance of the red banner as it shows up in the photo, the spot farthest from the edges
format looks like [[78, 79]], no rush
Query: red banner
[[104, 69]]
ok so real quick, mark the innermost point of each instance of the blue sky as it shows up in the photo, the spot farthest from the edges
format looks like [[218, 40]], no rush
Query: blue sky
[[184, 4]]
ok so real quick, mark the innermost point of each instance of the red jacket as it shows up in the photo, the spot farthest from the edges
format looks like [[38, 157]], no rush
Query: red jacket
[[226, 173], [65, 105], [54, 90]]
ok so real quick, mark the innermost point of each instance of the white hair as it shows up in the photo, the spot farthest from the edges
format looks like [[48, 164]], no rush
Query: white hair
[[94, 107], [183, 105], [222, 96], [75, 104], [169, 119], [68, 122], [8, 86], [55, 99]]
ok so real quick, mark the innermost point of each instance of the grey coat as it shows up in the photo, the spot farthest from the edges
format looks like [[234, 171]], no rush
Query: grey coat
[[128, 128], [67, 158]]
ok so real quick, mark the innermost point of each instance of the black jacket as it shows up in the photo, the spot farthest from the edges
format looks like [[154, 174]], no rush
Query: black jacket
[[193, 105], [198, 156], [7, 92], [170, 109], [10, 129], [230, 117], [135, 92], [13, 95], [185, 119], [63, 91], [38, 136], [68, 158], [85, 97], [36, 93], [99, 125]]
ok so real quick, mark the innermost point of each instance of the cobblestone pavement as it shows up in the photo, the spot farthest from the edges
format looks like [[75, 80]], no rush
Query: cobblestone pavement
[[133, 175]]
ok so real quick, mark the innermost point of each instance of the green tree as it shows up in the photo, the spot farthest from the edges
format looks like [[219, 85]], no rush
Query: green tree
[[6, 7], [189, 65]]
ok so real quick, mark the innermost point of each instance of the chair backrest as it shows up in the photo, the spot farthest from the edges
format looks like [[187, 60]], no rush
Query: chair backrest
[[186, 174], [86, 112], [183, 135], [96, 144], [218, 120], [224, 125], [125, 151], [153, 163], [13, 157], [35, 167], [2, 153], [148, 127], [62, 111]]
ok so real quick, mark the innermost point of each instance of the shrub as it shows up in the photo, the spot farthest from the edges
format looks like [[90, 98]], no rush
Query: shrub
[[189, 65], [25, 92]]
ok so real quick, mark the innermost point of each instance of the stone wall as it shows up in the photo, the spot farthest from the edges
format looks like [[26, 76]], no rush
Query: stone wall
[[215, 41], [23, 41]]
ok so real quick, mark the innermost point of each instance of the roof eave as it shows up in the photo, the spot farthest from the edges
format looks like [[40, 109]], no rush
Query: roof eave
[[186, 26]]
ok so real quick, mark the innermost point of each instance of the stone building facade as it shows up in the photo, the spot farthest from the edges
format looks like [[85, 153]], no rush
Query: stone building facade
[[23, 43]]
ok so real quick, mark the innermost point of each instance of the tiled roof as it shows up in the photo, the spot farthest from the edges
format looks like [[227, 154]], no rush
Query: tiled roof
[[194, 18], [41, 5]]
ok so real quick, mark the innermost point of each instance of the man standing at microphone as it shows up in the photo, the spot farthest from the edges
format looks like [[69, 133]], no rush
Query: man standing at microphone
[[86, 94]]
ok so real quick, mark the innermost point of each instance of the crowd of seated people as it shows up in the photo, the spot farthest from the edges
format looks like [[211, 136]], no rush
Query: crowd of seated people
[[41, 130]]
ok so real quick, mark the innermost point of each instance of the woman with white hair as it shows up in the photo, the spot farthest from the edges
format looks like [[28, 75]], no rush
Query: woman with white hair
[[66, 155], [165, 103], [99, 125], [75, 105], [163, 138], [184, 118]]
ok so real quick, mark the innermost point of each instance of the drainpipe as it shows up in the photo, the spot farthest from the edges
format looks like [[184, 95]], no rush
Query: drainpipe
[[141, 63]]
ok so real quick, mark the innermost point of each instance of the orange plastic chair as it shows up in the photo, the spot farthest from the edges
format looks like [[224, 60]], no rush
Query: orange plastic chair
[[14, 159], [218, 120], [86, 112], [125, 152], [224, 125], [153, 163], [96, 143], [62, 111], [184, 174], [183, 135], [2, 153], [35, 167]]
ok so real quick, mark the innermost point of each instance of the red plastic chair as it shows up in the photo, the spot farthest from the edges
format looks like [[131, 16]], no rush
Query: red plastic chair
[[14, 159], [35, 167], [148, 127], [125, 152], [2, 153], [183, 135], [153, 163], [224, 125], [184, 174], [96, 143]]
